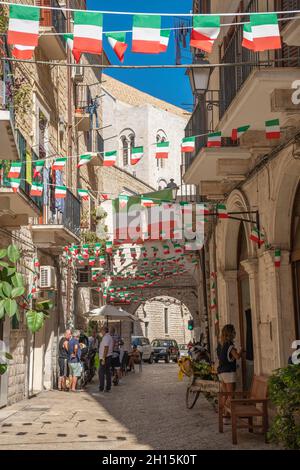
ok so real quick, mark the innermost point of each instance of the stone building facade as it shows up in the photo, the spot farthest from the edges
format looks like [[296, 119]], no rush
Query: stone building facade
[[258, 180]]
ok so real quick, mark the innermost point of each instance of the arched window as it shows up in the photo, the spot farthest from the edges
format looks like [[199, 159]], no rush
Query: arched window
[[127, 143], [162, 184], [160, 137]]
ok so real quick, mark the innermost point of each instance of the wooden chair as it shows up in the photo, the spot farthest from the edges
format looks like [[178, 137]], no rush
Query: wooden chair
[[246, 406]]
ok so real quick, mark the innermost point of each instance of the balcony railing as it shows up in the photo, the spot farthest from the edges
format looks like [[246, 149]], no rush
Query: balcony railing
[[53, 18], [26, 175], [233, 78], [64, 212]]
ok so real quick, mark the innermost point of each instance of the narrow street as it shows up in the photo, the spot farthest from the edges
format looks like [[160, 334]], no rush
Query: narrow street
[[147, 411]]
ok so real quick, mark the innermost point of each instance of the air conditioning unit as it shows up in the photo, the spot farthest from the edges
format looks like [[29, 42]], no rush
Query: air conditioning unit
[[47, 277], [77, 73]]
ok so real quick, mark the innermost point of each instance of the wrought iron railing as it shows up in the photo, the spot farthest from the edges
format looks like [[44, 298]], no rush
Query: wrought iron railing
[[71, 213], [54, 18]]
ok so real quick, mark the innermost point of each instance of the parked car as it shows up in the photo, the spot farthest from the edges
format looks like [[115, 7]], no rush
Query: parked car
[[144, 346], [183, 350], [166, 349]]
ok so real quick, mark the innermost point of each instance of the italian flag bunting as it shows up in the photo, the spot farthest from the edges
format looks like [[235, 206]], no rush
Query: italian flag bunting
[[177, 248], [164, 39], [23, 26], [15, 170], [118, 43], [102, 260], [108, 246], [265, 31], [14, 184], [237, 133], [257, 237], [162, 150], [59, 163], [277, 258], [84, 159], [88, 32], [97, 249], [222, 211], [69, 38], [110, 158], [38, 168], [188, 144], [147, 202], [146, 34], [248, 37], [123, 199], [60, 192], [136, 155], [83, 194], [36, 189], [92, 261], [273, 129], [205, 31], [214, 139], [85, 251], [22, 52], [166, 249]]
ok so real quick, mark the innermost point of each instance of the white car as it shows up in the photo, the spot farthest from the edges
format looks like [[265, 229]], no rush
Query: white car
[[144, 346]]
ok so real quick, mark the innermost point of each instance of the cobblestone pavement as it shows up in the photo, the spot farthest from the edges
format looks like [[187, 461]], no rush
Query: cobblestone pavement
[[146, 411]]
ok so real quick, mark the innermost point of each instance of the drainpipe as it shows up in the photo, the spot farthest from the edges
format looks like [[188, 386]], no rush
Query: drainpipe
[[69, 143]]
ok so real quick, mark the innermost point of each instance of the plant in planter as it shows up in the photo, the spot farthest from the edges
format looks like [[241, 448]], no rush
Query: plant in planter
[[284, 392]]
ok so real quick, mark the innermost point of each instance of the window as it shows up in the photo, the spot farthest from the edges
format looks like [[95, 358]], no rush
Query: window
[[160, 137], [166, 320], [127, 143], [125, 151]]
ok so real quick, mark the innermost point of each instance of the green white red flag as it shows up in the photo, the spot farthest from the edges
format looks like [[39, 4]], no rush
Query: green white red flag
[[265, 31], [214, 139], [88, 32], [147, 202], [237, 133], [188, 144], [110, 158], [123, 200], [118, 43], [15, 170], [164, 39], [36, 189], [162, 150], [146, 34], [38, 168], [14, 184], [273, 129], [277, 258], [59, 163], [23, 26], [108, 246], [248, 37], [136, 155], [83, 194], [22, 52], [84, 159], [205, 31], [222, 211], [69, 38], [257, 237], [60, 192]]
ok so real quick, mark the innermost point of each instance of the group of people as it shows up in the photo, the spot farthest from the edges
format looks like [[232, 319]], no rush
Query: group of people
[[114, 359]]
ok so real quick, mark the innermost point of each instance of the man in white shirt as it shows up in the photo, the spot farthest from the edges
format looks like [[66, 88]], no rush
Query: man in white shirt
[[105, 355]]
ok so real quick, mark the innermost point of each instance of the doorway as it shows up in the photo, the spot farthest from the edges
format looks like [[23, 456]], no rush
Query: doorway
[[245, 314], [295, 258]]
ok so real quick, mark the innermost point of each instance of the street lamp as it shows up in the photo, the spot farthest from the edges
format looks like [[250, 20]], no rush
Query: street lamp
[[199, 76], [172, 185]]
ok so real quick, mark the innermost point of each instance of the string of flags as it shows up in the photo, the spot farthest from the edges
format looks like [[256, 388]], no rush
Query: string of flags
[[148, 36]]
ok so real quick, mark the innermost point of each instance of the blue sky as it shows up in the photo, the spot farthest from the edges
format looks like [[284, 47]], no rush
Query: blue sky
[[170, 85]]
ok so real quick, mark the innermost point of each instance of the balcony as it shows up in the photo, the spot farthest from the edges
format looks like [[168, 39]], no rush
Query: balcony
[[8, 148], [290, 29], [16, 208], [83, 117], [216, 170], [51, 22], [96, 146], [60, 223]]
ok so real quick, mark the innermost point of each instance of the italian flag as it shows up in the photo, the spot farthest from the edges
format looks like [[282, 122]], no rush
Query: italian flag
[[110, 158], [102, 260], [38, 167], [248, 37], [273, 129], [213, 304], [136, 155], [84, 159], [277, 258], [146, 34], [104, 196], [257, 237], [36, 263], [162, 150], [166, 249], [23, 26], [60, 192], [123, 199], [14, 184], [265, 31], [222, 211], [214, 139], [92, 261], [164, 39], [88, 32], [188, 144], [97, 249], [85, 251], [118, 44], [36, 189], [59, 163], [69, 38], [205, 31], [22, 52], [80, 259], [147, 202], [237, 133], [15, 170], [83, 194], [108, 247], [177, 248]]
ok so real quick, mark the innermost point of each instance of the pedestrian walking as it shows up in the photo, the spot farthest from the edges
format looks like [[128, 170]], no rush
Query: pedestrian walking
[[74, 353], [105, 356], [63, 360], [115, 361]]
